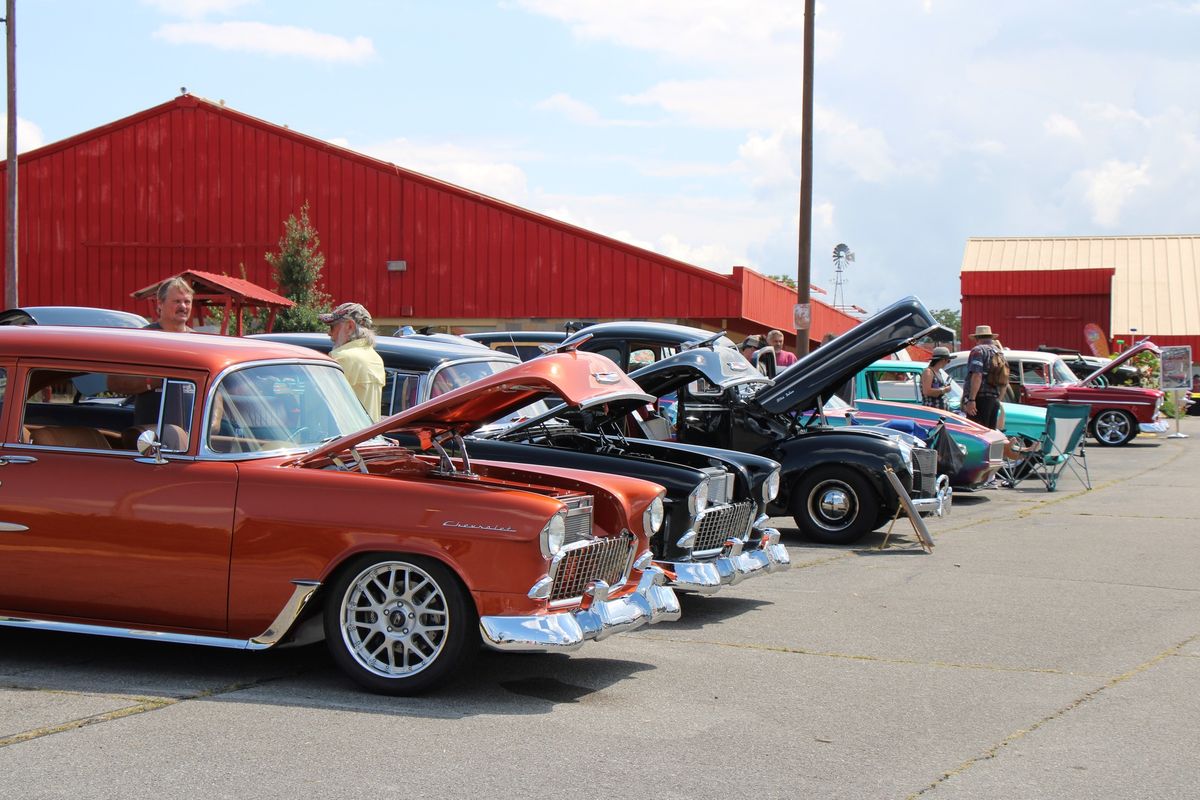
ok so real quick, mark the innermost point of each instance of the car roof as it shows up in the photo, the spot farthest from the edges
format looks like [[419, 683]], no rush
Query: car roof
[[198, 351], [664, 332], [491, 337], [72, 316], [400, 352]]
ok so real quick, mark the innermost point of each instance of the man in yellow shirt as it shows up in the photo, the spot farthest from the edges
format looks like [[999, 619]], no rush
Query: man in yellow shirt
[[353, 333]]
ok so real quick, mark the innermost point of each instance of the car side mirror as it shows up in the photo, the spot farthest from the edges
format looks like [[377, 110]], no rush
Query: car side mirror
[[149, 446]]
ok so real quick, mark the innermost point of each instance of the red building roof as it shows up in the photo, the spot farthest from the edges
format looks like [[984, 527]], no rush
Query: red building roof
[[191, 183]]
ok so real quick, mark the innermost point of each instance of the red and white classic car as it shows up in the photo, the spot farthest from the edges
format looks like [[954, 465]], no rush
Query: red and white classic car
[[215, 491], [1118, 413]]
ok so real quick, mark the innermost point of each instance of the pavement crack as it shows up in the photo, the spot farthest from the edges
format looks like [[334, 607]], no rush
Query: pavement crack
[[858, 656], [1087, 697], [141, 705]]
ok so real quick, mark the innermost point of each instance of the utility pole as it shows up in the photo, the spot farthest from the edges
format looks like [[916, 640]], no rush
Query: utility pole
[[803, 311], [10, 228]]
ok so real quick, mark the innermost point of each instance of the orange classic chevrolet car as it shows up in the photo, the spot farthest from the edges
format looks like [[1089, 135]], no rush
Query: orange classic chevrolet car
[[206, 490]]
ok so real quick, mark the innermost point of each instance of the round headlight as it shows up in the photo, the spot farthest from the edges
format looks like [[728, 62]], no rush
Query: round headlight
[[770, 487], [554, 535], [652, 518], [698, 499]]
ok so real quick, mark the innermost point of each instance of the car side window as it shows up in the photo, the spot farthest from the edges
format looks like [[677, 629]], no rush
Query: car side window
[[611, 353], [902, 387], [958, 372], [106, 410], [1033, 373], [400, 391]]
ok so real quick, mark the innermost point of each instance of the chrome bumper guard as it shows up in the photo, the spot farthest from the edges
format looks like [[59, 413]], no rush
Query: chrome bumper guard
[[734, 565], [938, 505], [596, 618]]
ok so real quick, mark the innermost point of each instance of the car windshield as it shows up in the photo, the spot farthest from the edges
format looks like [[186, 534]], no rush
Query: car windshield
[[1063, 376], [281, 407], [456, 375]]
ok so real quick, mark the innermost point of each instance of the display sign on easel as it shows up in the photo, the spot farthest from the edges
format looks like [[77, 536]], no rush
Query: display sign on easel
[[1175, 376], [906, 507]]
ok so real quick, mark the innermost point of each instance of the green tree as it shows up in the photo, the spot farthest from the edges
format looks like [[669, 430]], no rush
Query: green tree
[[951, 318], [297, 271], [786, 280]]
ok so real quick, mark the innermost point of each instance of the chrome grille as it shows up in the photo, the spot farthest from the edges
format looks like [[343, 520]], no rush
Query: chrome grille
[[579, 519], [924, 471], [719, 523], [720, 485], [607, 559]]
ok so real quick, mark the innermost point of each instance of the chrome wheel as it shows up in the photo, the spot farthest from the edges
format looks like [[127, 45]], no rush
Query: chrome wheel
[[835, 505], [398, 625], [1113, 428], [394, 619]]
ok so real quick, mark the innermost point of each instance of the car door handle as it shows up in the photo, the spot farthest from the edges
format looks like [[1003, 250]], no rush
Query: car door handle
[[17, 460], [12, 527]]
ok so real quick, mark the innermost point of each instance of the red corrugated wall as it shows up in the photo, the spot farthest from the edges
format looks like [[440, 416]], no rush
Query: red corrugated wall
[[1028, 308], [193, 184]]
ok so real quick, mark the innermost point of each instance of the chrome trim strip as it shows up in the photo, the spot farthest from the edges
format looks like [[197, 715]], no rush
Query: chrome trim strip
[[12, 527], [277, 629], [286, 617]]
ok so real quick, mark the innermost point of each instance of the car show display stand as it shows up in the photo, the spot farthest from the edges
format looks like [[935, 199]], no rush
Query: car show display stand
[[905, 505]]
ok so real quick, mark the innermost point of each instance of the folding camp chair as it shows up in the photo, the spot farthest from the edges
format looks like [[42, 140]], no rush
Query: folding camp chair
[[1061, 446]]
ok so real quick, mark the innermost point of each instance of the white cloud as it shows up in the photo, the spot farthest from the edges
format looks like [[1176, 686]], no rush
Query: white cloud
[[569, 107], [29, 135], [709, 31], [581, 113], [259, 37], [1110, 186], [864, 151], [193, 9], [1062, 126]]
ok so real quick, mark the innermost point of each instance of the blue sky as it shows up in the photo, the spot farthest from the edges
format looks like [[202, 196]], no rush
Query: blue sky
[[674, 124]]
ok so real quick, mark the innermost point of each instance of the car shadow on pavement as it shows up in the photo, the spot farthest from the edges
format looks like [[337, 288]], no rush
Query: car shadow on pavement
[[700, 611], [133, 671]]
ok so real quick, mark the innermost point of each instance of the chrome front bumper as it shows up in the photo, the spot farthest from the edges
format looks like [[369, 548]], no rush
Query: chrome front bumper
[[597, 618], [939, 504], [733, 565]]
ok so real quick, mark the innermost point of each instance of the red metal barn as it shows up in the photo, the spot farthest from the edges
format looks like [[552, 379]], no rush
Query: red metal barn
[[191, 184], [1036, 291]]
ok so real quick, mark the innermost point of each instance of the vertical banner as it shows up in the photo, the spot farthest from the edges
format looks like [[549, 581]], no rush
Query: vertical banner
[[1175, 376]]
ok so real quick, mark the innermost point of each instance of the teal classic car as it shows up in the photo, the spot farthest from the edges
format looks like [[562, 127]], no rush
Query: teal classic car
[[900, 382]]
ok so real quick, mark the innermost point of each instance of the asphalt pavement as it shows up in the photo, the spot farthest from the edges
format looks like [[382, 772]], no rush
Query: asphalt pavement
[[1049, 647]]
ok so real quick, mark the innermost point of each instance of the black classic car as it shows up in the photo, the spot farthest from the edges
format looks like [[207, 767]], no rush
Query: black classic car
[[715, 531], [83, 316], [834, 482]]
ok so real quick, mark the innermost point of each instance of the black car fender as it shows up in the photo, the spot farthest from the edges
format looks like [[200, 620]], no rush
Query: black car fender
[[865, 453]]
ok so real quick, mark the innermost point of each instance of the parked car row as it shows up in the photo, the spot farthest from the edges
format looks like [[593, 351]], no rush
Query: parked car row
[[233, 493]]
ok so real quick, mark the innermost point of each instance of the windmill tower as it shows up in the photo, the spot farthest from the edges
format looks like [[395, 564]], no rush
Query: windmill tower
[[841, 257]]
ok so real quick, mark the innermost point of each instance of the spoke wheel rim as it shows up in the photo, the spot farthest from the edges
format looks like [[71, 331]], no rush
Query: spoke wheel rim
[[833, 505], [394, 619], [1112, 426]]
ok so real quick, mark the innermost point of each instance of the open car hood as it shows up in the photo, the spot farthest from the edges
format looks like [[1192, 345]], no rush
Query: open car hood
[[579, 378], [722, 367], [1143, 346], [810, 381]]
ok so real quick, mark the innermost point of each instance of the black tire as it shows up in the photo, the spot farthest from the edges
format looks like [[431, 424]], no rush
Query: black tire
[[398, 624], [1114, 428], [835, 505]]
